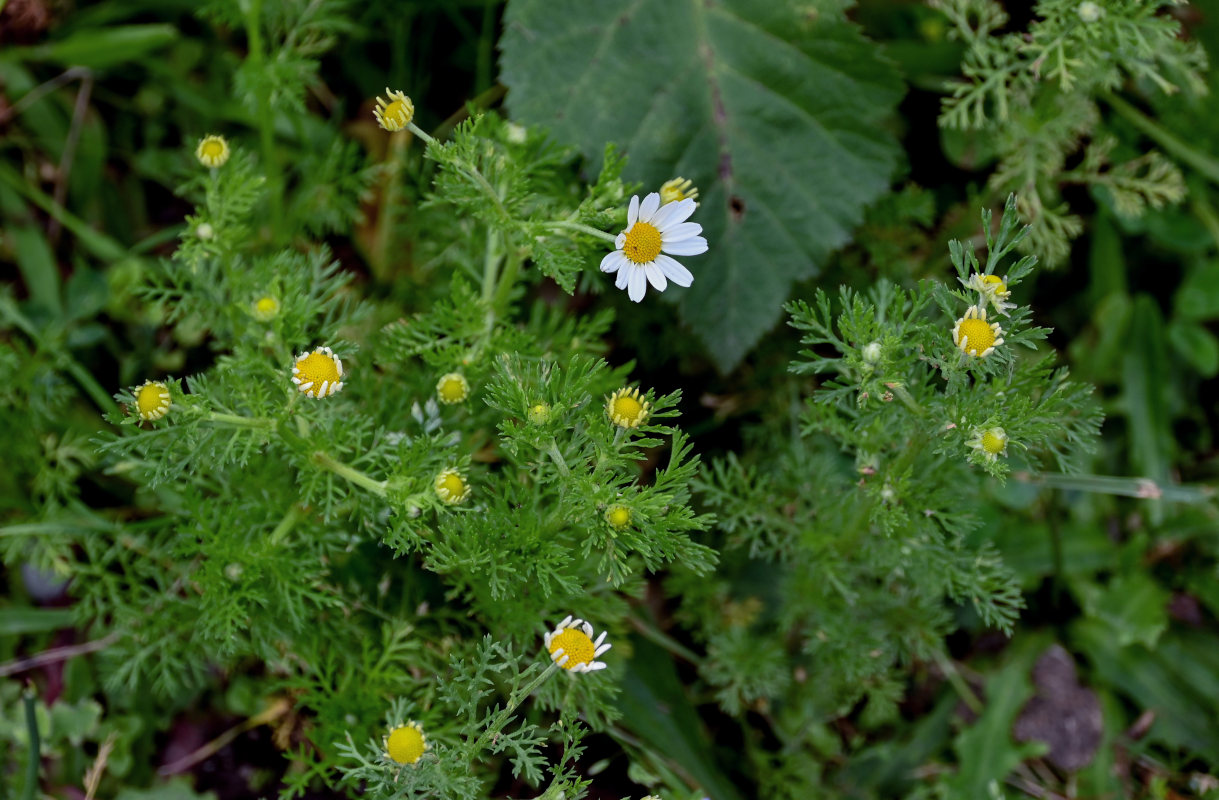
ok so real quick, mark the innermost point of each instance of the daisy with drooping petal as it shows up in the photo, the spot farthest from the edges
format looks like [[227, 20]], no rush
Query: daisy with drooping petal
[[152, 400], [677, 189], [572, 647], [451, 487], [992, 289], [627, 408], [653, 234], [991, 443], [395, 113], [406, 743], [318, 374], [974, 336], [212, 151]]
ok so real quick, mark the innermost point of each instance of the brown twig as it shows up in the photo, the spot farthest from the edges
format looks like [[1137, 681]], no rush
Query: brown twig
[[57, 654]]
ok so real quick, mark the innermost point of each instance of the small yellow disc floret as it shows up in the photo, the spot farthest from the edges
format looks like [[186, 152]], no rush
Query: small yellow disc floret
[[152, 400], [452, 388], [318, 374], [642, 243], [618, 516], [395, 113], [212, 151], [451, 487], [575, 644], [266, 308], [627, 408], [994, 441], [678, 189], [406, 744], [974, 335], [539, 413]]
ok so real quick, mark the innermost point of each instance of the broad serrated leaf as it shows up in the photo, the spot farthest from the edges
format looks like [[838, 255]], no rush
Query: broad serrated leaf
[[772, 108]]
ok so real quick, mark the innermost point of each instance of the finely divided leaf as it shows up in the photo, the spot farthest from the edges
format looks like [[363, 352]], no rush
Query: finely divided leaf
[[774, 109]]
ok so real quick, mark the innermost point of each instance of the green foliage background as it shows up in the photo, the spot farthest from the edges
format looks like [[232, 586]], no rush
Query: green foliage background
[[824, 589]]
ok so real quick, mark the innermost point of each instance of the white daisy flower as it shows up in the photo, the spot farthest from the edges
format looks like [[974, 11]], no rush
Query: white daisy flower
[[652, 231], [572, 647]]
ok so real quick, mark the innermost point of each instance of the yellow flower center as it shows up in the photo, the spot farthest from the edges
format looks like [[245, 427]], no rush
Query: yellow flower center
[[995, 282], [397, 112], [266, 308], [318, 367], [642, 243], [993, 441], [978, 334], [539, 414], [618, 516], [626, 408], [152, 400], [452, 388], [451, 487], [406, 744], [677, 189], [212, 148], [575, 645]]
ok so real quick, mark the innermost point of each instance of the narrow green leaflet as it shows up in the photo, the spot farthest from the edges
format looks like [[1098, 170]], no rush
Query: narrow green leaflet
[[774, 109]]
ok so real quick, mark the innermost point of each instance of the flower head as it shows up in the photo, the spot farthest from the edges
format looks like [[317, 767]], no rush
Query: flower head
[[651, 229], [627, 408], [318, 374], [678, 189], [1089, 11], [451, 487], [396, 113], [991, 289], [991, 442], [406, 744], [205, 232], [974, 336], [539, 413], [212, 151], [572, 647], [265, 308], [618, 516], [452, 388], [152, 400]]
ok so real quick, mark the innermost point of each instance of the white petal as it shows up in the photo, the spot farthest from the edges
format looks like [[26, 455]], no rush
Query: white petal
[[656, 277], [600, 639], [647, 209], [602, 649], [612, 261], [621, 240], [694, 246], [632, 211], [674, 214], [624, 275], [674, 271], [637, 284], [681, 231]]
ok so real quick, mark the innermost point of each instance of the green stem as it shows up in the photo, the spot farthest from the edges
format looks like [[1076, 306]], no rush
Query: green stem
[[958, 683], [266, 120], [286, 524], [667, 642], [238, 421], [420, 132], [490, 266], [904, 395], [507, 278], [582, 228], [1142, 488], [560, 462], [496, 725], [323, 459], [30, 790], [1200, 161]]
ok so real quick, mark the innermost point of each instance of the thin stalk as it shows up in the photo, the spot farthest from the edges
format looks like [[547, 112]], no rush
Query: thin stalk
[[1141, 488], [490, 266], [386, 219], [286, 524], [1200, 161], [664, 640], [238, 421], [323, 459], [420, 132], [265, 119], [496, 725], [958, 683], [507, 278], [30, 790], [582, 228], [553, 451]]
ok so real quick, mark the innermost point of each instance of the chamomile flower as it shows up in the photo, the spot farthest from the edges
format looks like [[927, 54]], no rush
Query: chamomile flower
[[452, 388], [992, 289], [539, 413], [212, 151], [152, 400], [406, 744], [265, 308], [677, 189], [318, 374], [627, 408], [572, 647], [651, 229], [451, 487], [991, 442], [395, 113], [618, 516], [974, 335]]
